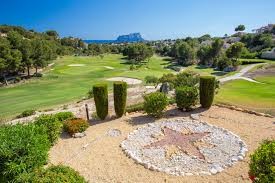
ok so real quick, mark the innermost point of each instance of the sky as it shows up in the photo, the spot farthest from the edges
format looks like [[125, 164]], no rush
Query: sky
[[154, 19]]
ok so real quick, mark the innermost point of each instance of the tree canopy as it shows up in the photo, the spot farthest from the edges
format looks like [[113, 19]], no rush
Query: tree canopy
[[240, 28]]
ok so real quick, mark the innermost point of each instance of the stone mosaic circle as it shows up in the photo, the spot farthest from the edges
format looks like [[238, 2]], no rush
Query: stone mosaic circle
[[184, 147]]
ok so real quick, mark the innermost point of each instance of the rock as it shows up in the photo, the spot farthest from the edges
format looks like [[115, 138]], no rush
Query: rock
[[114, 133], [165, 88], [188, 174], [240, 158], [195, 116], [205, 173], [79, 135], [234, 159], [213, 171]]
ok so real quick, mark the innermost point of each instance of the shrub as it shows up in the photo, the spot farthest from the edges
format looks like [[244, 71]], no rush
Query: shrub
[[135, 107], [120, 95], [186, 97], [207, 90], [23, 148], [63, 116], [58, 173], [187, 78], [155, 103], [262, 163], [26, 113], [37, 75], [151, 80], [75, 125], [169, 78], [101, 100], [52, 125]]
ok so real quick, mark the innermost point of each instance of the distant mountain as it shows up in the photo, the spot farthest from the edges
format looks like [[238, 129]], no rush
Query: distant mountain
[[129, 38]]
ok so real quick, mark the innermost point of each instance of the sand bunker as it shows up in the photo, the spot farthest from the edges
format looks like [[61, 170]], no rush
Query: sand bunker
[[76, 65], [130, 81], [108, 67]]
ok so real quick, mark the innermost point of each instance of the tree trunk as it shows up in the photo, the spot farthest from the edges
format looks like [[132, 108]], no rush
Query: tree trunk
[[28, 71], [36, 70], [5, 80]]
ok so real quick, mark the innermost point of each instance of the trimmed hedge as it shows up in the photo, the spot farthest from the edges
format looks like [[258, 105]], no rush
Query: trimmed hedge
[[186, 97], [75, 125], [262, 163], [120, 96], [101, 100], [155, 103], [52, 125], [59, 174], [23, 148], [207, 90]]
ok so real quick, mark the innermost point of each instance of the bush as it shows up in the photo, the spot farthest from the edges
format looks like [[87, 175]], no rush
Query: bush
[[186, 97], [75, 125], [169, 78], [155, 103], [120, 95], [63, 116], [151, 80], [23, 148], [187, 78], [52, 125], [58, 173], [39, 75], [207, 90], [223, 62], [26, 113], [262, 163], [101, 100]]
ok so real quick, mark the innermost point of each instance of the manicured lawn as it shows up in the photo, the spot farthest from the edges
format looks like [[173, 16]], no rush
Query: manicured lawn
[[256, 60], [65, 84], [254, 96]]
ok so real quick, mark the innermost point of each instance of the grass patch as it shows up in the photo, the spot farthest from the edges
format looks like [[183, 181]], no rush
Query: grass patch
[[254, 96]]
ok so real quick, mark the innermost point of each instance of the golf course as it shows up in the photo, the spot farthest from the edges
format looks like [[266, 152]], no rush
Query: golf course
[[69, 79]]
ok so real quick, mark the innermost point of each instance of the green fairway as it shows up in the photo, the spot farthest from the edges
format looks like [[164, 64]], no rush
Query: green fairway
[[254, 96], [64, 83]]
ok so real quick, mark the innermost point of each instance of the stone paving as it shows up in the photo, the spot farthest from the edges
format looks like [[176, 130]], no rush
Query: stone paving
[[184, 147]]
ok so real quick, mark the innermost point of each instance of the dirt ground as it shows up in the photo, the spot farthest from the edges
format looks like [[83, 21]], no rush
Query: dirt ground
[[99, 157]]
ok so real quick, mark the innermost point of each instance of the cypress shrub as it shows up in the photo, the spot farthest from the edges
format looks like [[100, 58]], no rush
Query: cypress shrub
[[101, 100], [120, 95], [207, 90], [186, 97]]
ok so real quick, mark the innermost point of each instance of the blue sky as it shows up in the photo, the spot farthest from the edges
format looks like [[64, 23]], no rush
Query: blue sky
[[154, 19]]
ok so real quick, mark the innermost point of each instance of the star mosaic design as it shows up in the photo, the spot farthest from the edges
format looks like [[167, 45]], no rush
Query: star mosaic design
[[185, 142]]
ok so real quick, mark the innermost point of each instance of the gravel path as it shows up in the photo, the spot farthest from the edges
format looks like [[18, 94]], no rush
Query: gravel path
[[99, 157], [240, 74]]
